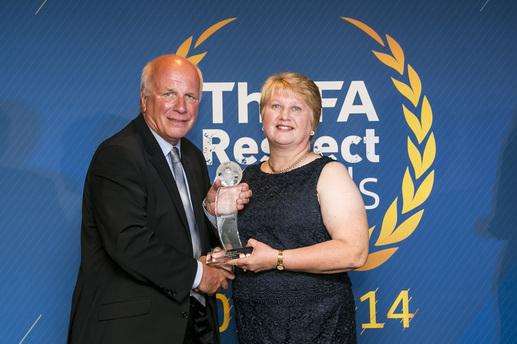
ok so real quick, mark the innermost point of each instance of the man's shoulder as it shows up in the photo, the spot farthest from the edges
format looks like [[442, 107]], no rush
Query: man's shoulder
[[126, 142], [127, 136]]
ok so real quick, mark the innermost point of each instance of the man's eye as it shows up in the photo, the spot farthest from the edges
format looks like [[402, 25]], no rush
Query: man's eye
[[275, 106], [190, 98], [296, 109], [169, 94]]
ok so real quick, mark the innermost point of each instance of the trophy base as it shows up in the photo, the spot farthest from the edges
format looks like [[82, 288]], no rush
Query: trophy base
[[235, 253]]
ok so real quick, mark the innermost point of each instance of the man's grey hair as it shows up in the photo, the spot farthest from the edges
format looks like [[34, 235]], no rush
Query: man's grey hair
[[147, 73]]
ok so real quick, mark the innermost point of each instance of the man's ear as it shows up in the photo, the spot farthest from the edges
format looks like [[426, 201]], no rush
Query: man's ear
[[142, 101]]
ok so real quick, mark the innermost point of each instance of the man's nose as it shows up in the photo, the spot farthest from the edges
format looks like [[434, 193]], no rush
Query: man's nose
[[181, 105]]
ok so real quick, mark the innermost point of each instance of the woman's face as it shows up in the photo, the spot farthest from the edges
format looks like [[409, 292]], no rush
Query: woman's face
[[287, 119]]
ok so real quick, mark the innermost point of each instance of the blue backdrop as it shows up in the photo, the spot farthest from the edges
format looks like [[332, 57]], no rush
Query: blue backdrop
[[427, 126]]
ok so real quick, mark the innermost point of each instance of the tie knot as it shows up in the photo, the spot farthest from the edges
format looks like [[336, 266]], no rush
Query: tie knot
[[175, 155]]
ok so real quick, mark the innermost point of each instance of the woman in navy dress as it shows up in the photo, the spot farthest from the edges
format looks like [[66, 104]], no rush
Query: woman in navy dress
[[307, 225]]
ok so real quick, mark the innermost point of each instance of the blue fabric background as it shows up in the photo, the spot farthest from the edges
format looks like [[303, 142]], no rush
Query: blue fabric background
[[70, 78]]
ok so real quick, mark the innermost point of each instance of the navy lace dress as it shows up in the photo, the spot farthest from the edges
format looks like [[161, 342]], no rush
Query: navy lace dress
[[283, 306]]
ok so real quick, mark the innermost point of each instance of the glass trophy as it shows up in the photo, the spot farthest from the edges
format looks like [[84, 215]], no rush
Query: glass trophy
[[230, 174]]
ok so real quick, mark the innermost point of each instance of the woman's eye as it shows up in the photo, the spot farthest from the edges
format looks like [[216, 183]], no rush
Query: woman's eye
[[275, 106], [296, 109]]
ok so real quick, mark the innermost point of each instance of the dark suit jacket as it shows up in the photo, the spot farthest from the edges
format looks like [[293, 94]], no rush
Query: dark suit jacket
[[137, 267]]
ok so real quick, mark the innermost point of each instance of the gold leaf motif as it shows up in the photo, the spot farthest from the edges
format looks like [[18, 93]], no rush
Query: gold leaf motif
[[426, 115], [388, 223], [408, 192], [413, 123], [429, 153], [406, 228], [365, 28], [184, 48], [197, 58], [423, 192], [416, 85], [415, 158], [388, 60], [212, 29], [397, 52], [376, 259], [404, 89]]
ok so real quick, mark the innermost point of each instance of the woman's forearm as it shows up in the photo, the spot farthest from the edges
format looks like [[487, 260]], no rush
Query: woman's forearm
[[328, 257]]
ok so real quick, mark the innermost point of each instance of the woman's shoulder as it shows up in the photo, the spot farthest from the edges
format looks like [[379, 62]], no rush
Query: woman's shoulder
[[329, 166], [333, 173], [333, 165]]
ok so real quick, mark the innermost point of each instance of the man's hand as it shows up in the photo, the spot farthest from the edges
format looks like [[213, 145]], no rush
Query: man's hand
[[213, 279], [217, 258], [211, 197], [235, 197]]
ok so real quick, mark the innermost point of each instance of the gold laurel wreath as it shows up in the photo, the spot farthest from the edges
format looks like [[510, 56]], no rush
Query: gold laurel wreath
[[184, 49], [415, 189], [392, 230]]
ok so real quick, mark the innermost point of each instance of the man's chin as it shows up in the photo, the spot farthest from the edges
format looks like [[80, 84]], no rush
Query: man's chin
[[177, 134]]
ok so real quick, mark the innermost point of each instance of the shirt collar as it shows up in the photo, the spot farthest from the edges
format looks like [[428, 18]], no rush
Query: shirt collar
[[165, 146]]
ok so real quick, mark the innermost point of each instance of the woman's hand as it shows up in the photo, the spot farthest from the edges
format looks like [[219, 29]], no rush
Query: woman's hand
[[263, 258]]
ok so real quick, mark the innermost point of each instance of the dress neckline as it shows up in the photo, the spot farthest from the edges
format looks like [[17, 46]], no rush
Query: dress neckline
[[288, 172]]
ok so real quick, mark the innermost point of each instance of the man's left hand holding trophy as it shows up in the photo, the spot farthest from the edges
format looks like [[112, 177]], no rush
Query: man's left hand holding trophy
[[224, 199]]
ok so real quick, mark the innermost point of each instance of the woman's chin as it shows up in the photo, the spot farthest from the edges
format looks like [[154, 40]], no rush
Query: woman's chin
[[284, 142]]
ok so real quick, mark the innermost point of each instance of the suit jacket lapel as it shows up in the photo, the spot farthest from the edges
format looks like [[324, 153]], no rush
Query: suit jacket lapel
[[160, 164]]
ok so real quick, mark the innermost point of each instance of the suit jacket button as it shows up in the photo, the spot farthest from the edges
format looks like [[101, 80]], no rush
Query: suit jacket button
[[185, 315]]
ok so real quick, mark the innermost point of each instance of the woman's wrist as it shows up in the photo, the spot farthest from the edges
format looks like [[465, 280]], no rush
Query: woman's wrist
[[280, 260]]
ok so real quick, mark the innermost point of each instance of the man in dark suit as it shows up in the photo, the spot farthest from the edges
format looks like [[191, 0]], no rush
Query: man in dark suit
[[143, 277]]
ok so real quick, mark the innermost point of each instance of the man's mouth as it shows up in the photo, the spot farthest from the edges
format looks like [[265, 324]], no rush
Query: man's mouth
[[178, 121]]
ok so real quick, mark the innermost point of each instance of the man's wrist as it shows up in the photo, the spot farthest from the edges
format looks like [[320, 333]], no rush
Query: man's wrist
[[199, 275], [210, 217]]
